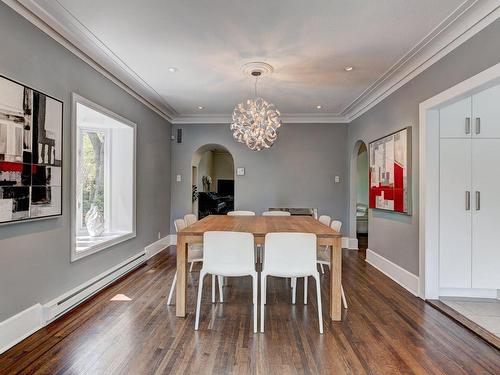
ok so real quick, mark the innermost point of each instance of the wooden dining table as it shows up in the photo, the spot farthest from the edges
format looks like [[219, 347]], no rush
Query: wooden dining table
[[259, 226]]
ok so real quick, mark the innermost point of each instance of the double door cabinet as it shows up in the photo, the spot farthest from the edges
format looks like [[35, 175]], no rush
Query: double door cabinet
[[469, 243]]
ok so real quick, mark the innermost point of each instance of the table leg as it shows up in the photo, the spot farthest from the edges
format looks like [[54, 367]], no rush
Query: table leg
[[180, 304], [336, 279]]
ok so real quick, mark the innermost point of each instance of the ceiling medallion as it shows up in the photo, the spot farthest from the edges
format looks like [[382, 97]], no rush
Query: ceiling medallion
[[255, 121]]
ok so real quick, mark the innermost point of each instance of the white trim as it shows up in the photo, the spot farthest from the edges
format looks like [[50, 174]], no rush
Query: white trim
[[472, 293], [18, 327], [398, 274], [429, 175], [286, 118], [349, 243], [160, 245], [76, 255], [51, 17]]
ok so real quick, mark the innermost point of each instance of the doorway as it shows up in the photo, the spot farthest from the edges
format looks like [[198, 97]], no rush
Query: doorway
[[362, 196], [212, 181]]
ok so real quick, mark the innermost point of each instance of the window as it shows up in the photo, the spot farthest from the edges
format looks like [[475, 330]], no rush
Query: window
[[103, 178]]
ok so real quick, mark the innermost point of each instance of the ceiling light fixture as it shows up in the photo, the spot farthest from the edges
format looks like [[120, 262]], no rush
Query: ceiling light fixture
[[319, 106], [256, 122], [173, 69], [348, 68], [201, 107]]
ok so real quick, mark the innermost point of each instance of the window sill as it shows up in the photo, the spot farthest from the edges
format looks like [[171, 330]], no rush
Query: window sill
[[86, 245]]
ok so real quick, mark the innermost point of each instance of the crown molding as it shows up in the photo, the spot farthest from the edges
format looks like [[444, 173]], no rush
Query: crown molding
[[286, 118], [57, 22], [51, 17], [468, 19]]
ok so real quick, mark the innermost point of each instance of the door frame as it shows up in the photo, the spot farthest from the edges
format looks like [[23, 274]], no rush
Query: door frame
[[429, 174]]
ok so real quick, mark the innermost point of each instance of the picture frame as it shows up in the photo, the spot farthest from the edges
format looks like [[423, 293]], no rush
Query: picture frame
[[390, 172], [31, 153]]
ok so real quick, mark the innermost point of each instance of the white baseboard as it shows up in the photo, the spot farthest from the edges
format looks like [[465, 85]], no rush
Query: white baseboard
[[161, 244], [18, 327], [398, 274], [349, 243], [466, 292]]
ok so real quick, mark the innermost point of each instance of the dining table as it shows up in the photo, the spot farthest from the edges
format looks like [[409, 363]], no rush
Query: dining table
[[259, 226]]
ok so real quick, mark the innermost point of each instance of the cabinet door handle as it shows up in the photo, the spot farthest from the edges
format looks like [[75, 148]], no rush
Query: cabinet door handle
[[467, 201], [478, 125], [478, 200], [467, 125]]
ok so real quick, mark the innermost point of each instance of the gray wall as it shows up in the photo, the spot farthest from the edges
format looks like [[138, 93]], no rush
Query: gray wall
[[35, 257], [298, 171], [395, 236]]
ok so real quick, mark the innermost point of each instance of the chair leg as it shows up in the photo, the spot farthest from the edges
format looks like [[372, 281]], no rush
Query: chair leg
[[172, 288], [198, 301], [191, 267], [263, 290], [254, 298], [294, 289], [322, 268], [320, 309], [344, 300], [213, 288], [220, 280], [305, 290]]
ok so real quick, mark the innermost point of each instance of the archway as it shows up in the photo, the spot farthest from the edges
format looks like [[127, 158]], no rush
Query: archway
[[212, 180], [359, 194]]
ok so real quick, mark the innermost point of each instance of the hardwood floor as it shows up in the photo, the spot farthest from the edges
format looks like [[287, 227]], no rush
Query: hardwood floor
[[386, 330]]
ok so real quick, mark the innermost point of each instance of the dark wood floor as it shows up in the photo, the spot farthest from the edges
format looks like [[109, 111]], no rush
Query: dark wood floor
[[386, 330]]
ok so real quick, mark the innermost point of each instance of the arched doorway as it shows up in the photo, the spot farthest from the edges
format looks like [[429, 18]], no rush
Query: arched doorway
[[359, 168], [212, 181], [362, 205]]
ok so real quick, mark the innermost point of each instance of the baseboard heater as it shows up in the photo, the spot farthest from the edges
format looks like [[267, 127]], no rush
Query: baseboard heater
[[59, 307]]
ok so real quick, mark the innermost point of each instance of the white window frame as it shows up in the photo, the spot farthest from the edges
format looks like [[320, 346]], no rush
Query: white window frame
[[113, 240]]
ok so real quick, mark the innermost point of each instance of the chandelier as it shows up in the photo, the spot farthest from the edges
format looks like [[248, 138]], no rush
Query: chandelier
[[256, 121]]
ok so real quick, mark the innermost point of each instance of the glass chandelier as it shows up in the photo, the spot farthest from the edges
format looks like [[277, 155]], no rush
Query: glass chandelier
[[256, 122]]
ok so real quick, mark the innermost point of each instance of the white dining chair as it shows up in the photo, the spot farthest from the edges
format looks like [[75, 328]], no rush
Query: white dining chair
[[195, 254], [289, 255], [241, 213], [324, 256], [228, 254], [276, 213], [325, 219], [190, 219]]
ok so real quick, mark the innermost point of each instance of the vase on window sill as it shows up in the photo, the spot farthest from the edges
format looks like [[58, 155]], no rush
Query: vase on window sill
[[94, 221]]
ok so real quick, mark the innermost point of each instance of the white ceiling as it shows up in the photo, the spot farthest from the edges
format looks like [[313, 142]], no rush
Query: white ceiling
[[307, 42]]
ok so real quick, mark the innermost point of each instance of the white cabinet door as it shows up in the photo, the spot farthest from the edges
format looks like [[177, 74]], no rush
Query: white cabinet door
[[486, 113], [455, 214], [486, 213], [455, 119]]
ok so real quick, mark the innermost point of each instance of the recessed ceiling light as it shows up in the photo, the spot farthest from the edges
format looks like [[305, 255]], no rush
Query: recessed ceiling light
[[348, 68], [201, 107], [172, 69], [319, 106]]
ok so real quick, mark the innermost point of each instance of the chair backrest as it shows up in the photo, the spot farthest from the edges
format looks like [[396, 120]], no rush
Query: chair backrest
[[190, 219], [241, 213], [290, 254], [336, 225], [325, 219], [179, 224], [228, 253], [276, 213]]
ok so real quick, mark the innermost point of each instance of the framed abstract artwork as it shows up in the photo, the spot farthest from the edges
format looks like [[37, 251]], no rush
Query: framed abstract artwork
[[390, 172], [31, 134]]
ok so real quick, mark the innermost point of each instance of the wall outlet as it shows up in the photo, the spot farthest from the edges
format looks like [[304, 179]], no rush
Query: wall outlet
[[159, 235], [178, 178], [337, 179]]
